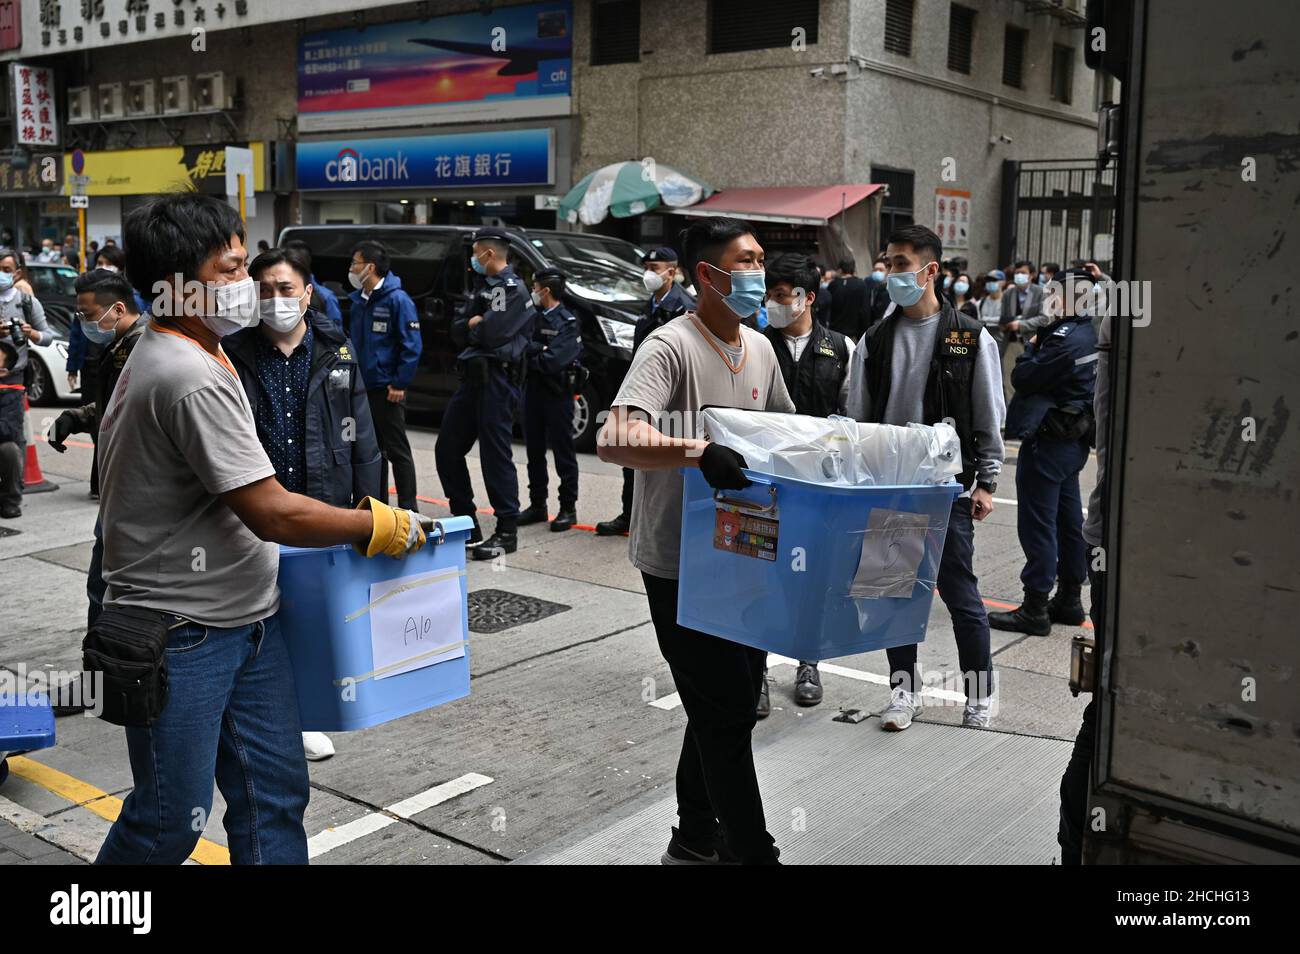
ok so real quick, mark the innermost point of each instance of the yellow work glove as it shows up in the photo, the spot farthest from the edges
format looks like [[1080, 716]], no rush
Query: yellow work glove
[[396, 532]]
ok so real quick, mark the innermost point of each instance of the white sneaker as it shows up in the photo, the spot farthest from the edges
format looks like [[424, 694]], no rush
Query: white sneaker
[[317, 746], [903, 705], [977, 715]]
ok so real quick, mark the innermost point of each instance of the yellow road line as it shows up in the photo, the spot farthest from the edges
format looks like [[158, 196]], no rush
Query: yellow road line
[[106, 806]]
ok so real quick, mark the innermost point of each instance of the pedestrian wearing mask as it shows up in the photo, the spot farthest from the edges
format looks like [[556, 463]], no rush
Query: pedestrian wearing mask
[[707, 358], [385, 331], [188, 487], [304, 385], [552, 359], [668, 299], [495, 326], [964, 298], [1022, 316], [1051, 413], [926, 363], [814, 363]]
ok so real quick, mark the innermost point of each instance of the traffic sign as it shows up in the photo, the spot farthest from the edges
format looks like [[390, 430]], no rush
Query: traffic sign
[[79, 201]]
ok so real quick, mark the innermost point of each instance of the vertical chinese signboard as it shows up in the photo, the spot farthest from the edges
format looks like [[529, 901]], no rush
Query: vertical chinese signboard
[[36, 121]]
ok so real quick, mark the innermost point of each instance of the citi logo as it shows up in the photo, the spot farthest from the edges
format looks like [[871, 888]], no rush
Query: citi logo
[[352, 166], [74, 907]]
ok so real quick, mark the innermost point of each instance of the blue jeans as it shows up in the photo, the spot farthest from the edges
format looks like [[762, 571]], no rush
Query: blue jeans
[[232, 714]]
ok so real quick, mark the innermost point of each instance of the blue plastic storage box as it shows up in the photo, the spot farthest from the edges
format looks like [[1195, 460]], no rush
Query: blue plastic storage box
[[26, 723], [779, 565], [326, 616]]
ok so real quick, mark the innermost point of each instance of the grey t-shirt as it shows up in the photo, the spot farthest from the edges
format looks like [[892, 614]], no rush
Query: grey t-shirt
[[178, 433], [909, 371], [675, 374]]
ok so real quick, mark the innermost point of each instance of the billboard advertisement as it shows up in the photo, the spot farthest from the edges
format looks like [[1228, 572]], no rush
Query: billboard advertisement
[[509, 63], [199, 168], [515, 157]]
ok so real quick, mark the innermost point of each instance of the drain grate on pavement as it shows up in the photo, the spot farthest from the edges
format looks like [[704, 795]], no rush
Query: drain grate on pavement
[[491, 611]]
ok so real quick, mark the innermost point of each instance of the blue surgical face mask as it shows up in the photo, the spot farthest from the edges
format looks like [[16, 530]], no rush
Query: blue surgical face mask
[[94, 333], [961, 288], [947, 281], [6, 280], [1042, 278], [992, 287], [878, 275], [1021, 279], [748, 288], [475, 264], [903, 288]]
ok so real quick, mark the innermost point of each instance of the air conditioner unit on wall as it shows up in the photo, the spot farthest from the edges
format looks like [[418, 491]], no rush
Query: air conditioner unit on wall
[[141, 99], [212, 91], [175, 94], [81, 104], [111, 101]]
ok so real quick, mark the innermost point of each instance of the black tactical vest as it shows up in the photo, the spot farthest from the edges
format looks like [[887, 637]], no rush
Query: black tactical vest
[[814, 380], [948, 385]]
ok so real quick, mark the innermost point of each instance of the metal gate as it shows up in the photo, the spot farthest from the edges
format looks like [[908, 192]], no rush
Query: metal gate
[[1057, 210]]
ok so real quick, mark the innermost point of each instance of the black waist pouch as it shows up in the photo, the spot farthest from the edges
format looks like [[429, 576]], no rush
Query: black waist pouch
[[127, 647], [1068, 425]]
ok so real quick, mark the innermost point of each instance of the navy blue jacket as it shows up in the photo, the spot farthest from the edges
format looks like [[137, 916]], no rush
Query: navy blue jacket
[[504, 332], [1059, 371], [329, 300], [659, 313], [339, 471], [556, 343], [385, 330]]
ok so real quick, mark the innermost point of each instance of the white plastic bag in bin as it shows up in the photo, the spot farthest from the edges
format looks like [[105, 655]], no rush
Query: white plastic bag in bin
[[837, 450]]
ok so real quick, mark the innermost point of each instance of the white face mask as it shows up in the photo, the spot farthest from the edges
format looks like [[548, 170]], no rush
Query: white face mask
[[781, 316], [235, 307], [357, 279], [107, 268], [281, 314], [652, 280], [537, 298]]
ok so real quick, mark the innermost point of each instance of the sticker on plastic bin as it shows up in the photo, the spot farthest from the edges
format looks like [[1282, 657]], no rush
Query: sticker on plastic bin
[[892, 549], [412, 615], [745, 534]]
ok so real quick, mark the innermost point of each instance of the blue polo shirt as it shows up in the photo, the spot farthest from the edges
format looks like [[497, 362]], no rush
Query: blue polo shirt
[[281, 413]]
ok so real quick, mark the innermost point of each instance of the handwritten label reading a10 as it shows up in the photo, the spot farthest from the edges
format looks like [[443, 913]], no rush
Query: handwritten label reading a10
[[417, 627]]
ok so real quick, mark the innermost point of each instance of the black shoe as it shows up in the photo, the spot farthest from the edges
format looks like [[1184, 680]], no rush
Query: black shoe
[[564, 520], [764, 707], [614, 528], [11, 512], [475, 536], [1065, 607], [807, 685], [536, 513], [496, 545], [713, 852], [1030, 617]]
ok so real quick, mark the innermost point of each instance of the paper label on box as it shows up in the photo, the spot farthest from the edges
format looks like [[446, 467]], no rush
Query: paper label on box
[[410, 616], [744, 534], [892, 549]]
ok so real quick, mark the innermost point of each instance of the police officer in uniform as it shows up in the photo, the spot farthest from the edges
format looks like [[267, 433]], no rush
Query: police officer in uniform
[[814, 362], [495, 326], [1051, 412], [668, 299], [548, 401]]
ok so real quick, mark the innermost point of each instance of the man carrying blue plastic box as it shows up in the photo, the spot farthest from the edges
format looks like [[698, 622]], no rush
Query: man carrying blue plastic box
[[923, 363], [192, 514], [706, 358]]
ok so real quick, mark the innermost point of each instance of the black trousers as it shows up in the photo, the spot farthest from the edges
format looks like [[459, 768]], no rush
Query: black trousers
[[629, 480], [13, 461], [1074, 783], [548, 420], [718, 682], [390, 429]]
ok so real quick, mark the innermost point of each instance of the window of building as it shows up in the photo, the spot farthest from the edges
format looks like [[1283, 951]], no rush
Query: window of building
[[896, 208], [961, 35], [1013, 56], [736, 25], [1062, 73], [898, 26], [616, 32]]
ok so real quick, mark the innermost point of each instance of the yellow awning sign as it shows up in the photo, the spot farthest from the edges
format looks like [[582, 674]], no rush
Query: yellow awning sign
[[162, 169]]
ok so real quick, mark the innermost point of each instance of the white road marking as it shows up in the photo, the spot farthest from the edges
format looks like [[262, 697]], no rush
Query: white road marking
[[670, 701], [862, 676], [333, 838], [1012, 503]]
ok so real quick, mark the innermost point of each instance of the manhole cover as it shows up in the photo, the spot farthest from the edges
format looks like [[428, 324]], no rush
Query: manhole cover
[[491, 611]]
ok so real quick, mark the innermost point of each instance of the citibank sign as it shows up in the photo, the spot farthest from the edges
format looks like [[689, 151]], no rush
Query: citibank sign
[[499, 158]]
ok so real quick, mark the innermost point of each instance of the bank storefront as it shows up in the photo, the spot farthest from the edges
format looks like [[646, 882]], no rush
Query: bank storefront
[[499, 88]]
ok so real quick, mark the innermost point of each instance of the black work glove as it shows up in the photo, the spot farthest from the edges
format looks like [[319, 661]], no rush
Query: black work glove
[[64, 425], [721, 468]]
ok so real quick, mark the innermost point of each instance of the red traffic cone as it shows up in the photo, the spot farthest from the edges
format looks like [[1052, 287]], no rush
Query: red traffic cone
[[34, 481]]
